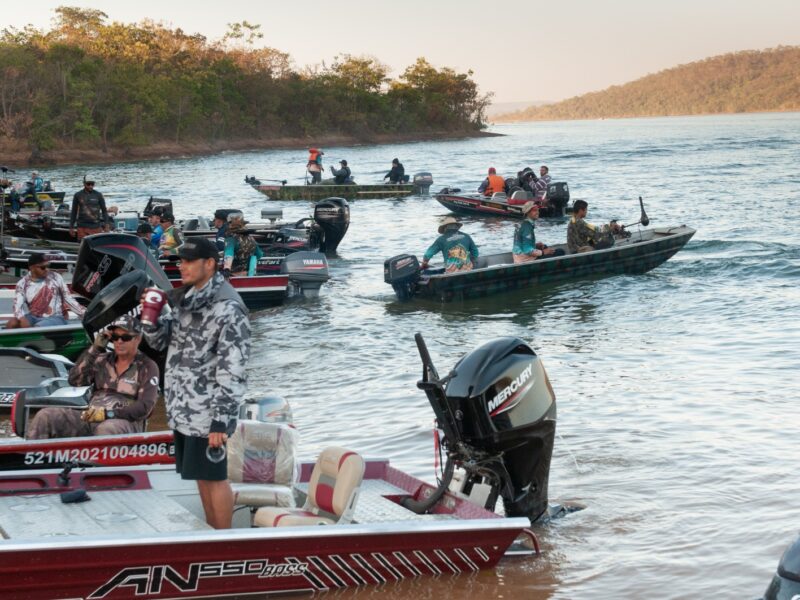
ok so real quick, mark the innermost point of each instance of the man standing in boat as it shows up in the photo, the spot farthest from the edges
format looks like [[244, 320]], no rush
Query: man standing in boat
[[221, 224], [124, 382], [88, 211], [457, 248], [582, 236], [240, 249], [540, 185], [207, 338], [314, 165], [492, 184], [526, 248]]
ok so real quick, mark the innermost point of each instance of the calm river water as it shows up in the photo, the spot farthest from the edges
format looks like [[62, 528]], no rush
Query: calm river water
[[677, 390]]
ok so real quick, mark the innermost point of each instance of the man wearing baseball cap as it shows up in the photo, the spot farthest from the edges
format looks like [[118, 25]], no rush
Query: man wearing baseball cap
[[41, 298], [124, 383], [343, 175], [207, 338], [88, 211]]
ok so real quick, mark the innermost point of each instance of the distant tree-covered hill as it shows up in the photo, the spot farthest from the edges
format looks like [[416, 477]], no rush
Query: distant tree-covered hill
[[748, 81], [90, 83]]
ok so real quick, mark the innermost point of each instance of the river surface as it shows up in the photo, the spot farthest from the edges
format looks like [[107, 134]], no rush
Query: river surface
[[677, 390]]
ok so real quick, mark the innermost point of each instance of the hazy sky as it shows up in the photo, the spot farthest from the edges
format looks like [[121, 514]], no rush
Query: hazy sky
[[518, 49]]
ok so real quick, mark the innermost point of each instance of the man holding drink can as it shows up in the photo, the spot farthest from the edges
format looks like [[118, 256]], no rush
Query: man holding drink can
[[207, 337]]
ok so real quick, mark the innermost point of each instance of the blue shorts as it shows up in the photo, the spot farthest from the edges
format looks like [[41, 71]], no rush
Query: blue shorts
[[50, 321]]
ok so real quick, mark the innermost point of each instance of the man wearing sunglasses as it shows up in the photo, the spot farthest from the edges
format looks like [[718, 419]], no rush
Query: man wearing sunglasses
[[88, 211], [41, 298], [124, 388]]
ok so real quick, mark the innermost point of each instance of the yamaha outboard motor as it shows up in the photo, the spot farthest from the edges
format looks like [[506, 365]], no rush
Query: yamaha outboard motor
[[785, 584], [498, 414], [307, 272], [402, 273], [333, 216], [422, 183]]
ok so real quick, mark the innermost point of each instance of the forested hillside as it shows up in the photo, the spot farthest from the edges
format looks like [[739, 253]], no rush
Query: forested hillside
[[91, 83], [750, 81]]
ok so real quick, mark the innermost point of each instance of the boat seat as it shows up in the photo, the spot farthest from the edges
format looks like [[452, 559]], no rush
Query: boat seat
[[520, 197], [332, 493], [262, 463], [499, 197], [493, 260]]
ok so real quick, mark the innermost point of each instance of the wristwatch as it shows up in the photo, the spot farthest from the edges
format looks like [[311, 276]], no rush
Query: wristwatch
[[110, 414]]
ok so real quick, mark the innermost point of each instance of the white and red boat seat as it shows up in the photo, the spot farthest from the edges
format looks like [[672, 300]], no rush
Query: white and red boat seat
[[332, 493], [262, 463]]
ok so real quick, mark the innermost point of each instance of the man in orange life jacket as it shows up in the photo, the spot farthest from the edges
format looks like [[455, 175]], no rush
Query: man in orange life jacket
[[493, 183], [314, 164]]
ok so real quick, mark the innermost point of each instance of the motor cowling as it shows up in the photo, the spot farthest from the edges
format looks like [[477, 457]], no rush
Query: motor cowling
[[785, 585], [307, 271], [402, 273], [558, 197], [505, 406], [422, 182], [333, 217]]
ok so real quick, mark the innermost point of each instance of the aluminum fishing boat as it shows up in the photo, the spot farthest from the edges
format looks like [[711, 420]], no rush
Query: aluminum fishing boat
[[279, 190]]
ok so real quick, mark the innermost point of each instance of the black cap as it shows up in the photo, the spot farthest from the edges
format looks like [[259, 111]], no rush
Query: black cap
[[128, 323], [343, 162], [395, 161], [220, 214], [167, 216], [37, 259], [144, 228], [200, 247]]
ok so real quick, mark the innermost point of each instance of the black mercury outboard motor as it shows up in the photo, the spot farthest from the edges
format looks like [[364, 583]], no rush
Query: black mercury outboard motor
[[785, 584], [558, 197], [402, 273], [307, 272], [333, 216], [422, 183], [114, 269], [498, 414]]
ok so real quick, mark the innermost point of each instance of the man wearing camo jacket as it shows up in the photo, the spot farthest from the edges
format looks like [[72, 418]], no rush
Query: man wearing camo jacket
[[207, 337]]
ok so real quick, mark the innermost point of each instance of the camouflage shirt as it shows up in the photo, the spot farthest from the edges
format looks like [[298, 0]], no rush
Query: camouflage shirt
[[207, 337], [581, 233], [132, 394], [88, 210]]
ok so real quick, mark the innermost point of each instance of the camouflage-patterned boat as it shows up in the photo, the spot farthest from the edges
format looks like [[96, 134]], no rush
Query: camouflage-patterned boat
[[496, 273], [420, 185]]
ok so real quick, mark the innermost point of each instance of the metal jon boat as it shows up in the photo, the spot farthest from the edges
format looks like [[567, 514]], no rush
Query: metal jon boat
[[497, 273], [419, 186]]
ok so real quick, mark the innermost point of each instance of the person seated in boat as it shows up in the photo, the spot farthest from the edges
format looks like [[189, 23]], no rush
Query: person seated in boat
[[41, 298], [240, 249], [314, 165], [124, 388], [221, 224], [154, 219], [457, 248], [342, 176], [526, 248], [541, 183], [583, 236], [492, 184], [171, 238], [36, 183], [397, 174]]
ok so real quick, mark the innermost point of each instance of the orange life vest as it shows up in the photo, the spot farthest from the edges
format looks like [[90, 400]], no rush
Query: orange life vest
[[496, 184], [313, 154]]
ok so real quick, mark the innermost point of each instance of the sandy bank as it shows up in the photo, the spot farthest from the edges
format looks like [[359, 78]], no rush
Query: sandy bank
[[167, 150]]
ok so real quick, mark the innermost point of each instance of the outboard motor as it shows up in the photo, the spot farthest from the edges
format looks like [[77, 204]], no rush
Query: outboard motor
[[498, 414], [402, 273], [333, 216], [558, 197], [785, 585], [422, 183], [103, 257], [307, 272]]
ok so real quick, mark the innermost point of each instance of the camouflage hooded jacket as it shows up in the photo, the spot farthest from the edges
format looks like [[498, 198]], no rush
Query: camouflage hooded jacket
[[207, 337]]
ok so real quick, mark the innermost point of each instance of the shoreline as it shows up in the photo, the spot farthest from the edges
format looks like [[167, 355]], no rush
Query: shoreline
[[710, 114], [172, 151]]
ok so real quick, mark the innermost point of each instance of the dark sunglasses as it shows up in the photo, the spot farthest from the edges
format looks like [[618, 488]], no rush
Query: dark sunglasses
[[125, 337]]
